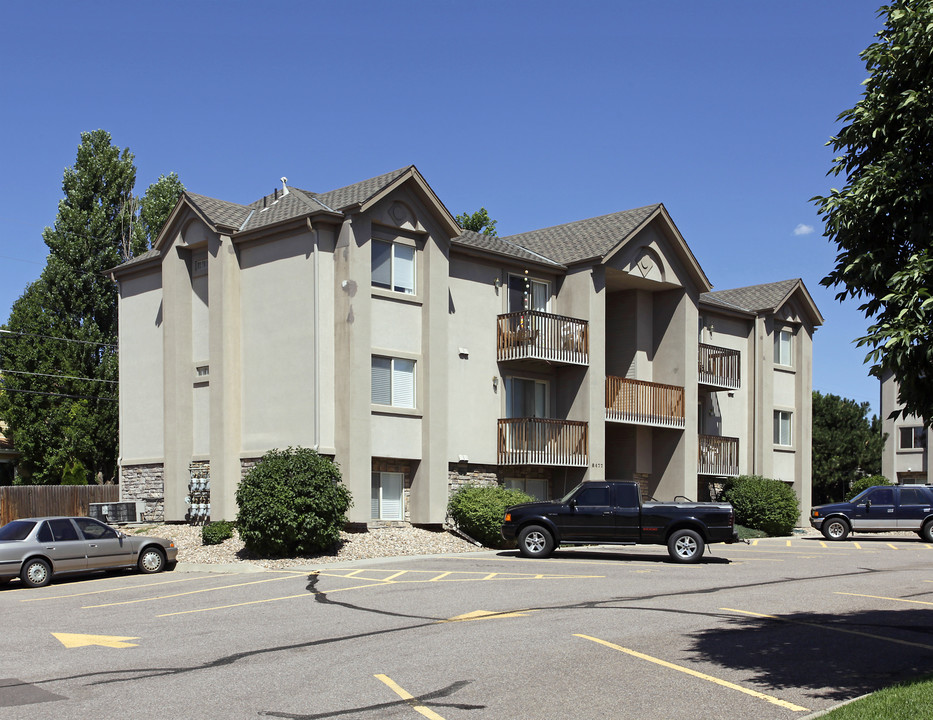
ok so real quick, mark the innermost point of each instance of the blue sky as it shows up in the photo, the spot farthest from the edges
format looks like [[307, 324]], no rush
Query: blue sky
[[543, 112]]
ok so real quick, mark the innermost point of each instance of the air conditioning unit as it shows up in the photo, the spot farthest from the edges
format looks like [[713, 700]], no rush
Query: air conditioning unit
[[117, 513]]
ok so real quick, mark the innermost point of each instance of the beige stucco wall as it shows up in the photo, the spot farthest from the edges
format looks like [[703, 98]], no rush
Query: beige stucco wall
[[897, 464], [141, 386]]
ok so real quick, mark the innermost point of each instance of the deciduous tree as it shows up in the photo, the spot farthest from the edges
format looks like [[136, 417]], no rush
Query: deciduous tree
[[882, 218], [846, 446], [478, 222]]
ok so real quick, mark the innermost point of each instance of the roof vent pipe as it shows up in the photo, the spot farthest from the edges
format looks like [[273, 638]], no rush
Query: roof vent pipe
[[275, 195], [284, 186]]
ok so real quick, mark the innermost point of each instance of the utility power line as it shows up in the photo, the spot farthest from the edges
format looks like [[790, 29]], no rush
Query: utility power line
[[51, 337], [64, 395], [60, 377]]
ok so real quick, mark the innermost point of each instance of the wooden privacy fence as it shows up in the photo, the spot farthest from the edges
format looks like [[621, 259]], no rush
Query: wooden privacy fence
[[639, 402], [19, 501]]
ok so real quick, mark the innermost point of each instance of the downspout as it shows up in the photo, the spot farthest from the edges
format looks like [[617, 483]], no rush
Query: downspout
[[315, 343]]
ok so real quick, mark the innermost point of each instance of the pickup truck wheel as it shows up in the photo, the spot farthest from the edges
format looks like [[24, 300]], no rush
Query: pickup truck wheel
[[535, 542], [835, 529], [685, 546], [926, 532]]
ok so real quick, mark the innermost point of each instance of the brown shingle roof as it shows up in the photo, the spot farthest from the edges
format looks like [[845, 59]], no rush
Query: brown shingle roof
[[501, 246], [753, 298], [219, 212], [584, 239], [358, 192]]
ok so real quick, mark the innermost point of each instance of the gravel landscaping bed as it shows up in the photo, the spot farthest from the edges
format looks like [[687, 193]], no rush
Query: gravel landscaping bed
[[376, 543]]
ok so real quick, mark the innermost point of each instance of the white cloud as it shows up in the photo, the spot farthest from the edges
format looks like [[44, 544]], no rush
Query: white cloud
[[802, 229]]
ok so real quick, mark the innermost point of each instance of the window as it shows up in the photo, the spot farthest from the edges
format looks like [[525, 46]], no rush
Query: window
[[393, 267], [913, 438], [782, 347], [593, 497], [393, 382], [914, 496], [525, 398], [880, 496], [530, 486], [782, 428], [387, 496], [526, 293]]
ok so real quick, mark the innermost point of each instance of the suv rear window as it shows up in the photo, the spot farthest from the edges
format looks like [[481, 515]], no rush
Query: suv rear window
[[914, 496]]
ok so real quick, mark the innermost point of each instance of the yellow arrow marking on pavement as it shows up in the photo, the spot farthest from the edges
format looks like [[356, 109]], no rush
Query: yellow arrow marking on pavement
[[70, 640], [486, 615]]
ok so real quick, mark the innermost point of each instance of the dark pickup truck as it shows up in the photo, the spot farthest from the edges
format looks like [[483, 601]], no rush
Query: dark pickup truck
[[612, 513]]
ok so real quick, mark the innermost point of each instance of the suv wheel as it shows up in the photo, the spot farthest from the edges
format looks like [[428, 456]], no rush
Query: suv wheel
[[535, 542], [835, 528], [926, 532]]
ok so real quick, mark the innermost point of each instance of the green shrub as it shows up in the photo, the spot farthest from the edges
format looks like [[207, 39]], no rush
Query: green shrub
[[292, 503], [74, 473], [863, 483], [216, 532], [763, 504], [478, 510]]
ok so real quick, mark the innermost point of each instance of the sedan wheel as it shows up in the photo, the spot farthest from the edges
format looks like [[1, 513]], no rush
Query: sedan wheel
[[151, 560], [36, 573], [685, 546]]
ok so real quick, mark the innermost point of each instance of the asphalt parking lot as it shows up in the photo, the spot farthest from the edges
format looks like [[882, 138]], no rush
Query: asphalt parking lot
[[778, 629]]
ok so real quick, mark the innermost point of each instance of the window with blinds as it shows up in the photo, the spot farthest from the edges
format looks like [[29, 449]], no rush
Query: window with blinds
[[393, 382], [387, 496], [393, 267]]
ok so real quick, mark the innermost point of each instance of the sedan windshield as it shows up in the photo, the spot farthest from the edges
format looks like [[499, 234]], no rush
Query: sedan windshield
[[16, 530]]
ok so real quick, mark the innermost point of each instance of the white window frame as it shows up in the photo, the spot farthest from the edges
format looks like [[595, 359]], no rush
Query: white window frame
[[401, 382], [784, 347], [918, 437], [784, 428], [381, 506], [402, 273]]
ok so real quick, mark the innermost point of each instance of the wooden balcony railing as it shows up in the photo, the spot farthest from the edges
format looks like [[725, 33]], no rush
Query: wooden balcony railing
[[542, 441], [719, 367], [542, 336], [718, 456], [638, 402]]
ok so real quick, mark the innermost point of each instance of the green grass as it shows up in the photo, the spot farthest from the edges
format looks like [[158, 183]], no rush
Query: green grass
[[905, 701]]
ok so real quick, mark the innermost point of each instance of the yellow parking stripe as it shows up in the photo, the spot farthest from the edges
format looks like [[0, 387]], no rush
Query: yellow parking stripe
[[108, 590], [893, 547], [882, 597], [409, 698], [830, 627], [857, 546], [440, 577], [192, 592], [694, 673]]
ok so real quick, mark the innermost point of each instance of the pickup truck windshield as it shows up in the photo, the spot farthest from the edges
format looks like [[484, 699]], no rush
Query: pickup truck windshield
[[569, 495]]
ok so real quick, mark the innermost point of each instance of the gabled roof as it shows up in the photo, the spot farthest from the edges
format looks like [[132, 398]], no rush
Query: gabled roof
[[766, 298], [501, 246], [584, 239], [359, 193], [219, 213]]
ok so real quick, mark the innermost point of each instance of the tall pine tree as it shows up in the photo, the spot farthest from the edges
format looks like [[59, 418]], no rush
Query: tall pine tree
[[59, 354]]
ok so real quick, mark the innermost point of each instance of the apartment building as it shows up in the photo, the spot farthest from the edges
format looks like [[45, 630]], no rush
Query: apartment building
[[906, 452], [364, 322]]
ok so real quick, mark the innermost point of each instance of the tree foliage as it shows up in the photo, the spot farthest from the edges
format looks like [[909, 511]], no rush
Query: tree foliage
[[478, 222], [59, 354], [846, 446], [882, 219], [762, 503], [478, 510]]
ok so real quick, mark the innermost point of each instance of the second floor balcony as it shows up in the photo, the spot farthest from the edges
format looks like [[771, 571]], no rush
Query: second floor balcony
[[638, 402], [719, 367], [534, 335], [718, 456], [542, 441]]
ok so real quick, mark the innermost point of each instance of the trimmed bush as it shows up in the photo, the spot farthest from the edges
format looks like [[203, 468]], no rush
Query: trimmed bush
[[216, 532], [478, 510], [763, 504], [292, 503], [864, 483]]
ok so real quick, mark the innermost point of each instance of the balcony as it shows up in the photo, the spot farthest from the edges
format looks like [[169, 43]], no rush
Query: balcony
[[542, 441], [718, 456], [533, 335], [638, 402], [719, 367]]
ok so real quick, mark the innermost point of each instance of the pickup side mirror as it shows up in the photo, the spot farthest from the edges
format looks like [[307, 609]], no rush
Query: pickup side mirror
[[868, 504]]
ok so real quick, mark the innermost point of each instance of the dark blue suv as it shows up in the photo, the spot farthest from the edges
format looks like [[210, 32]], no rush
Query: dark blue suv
[[880, 508]]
